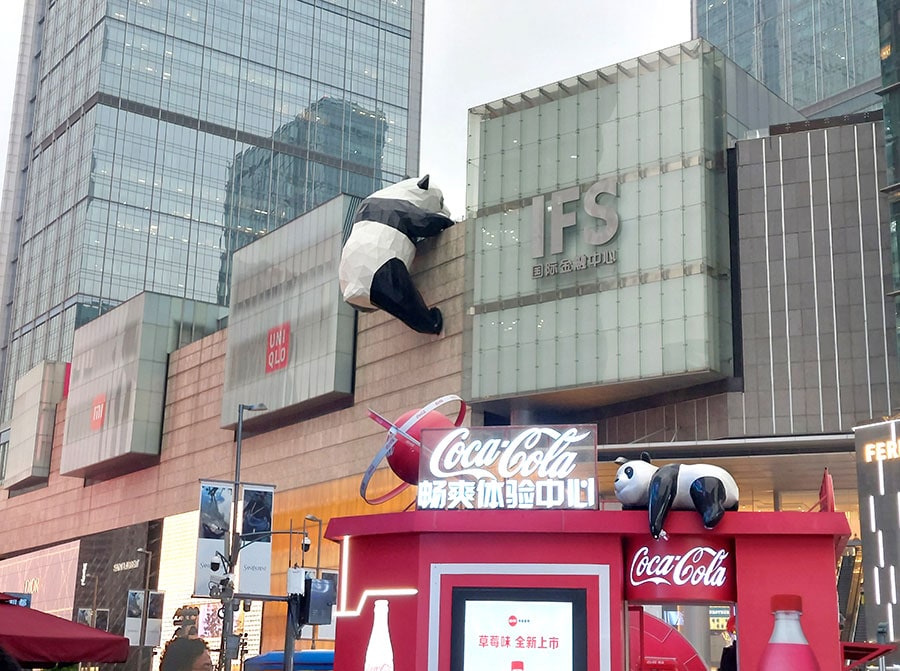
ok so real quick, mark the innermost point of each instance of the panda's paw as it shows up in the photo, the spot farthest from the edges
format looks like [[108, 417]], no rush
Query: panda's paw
[[437, 320]]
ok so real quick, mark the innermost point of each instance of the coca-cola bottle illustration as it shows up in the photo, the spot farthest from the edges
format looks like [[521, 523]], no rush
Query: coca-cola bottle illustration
[[787, 647], [380, 653]]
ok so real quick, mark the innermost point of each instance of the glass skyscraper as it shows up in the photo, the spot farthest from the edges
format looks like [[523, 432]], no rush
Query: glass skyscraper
[[821, 56], [152, 138]]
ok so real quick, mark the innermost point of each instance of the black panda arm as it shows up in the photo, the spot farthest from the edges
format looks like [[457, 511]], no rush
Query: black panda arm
[[663, 487], [411, 220], [429, 225]]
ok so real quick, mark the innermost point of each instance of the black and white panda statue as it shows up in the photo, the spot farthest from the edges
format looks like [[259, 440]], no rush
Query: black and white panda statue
[[375, 259], [708, 489]]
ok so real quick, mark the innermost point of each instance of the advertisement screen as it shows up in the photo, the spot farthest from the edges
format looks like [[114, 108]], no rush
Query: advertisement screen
[[518, 629]]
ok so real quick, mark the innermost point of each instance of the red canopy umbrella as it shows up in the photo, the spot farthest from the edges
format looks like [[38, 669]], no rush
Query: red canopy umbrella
[[35, 638]]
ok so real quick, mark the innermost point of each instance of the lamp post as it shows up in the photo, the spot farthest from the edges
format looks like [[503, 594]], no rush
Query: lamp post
[[145, 608], [229, 644]]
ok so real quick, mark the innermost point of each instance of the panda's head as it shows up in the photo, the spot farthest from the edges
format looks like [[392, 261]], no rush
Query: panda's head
[[419, 192], [632, 481]]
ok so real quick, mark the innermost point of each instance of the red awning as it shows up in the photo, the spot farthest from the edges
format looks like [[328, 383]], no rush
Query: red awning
[[35, 638]]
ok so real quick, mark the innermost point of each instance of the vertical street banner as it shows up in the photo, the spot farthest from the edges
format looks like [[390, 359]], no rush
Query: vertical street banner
[[135, 617], [255, 559], [214, 529]]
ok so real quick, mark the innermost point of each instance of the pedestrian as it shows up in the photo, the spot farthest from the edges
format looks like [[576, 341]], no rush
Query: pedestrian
[[7, 663], [186, 654]]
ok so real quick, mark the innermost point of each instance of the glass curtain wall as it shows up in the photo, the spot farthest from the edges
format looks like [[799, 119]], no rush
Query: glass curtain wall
[[806, 51], [169, 133]]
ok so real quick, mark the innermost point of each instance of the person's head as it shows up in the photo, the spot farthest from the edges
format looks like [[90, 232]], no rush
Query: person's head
[[7, 663], [185, 654]]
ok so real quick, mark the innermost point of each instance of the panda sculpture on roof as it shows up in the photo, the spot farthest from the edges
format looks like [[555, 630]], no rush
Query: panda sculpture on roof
[[708, 489], [375, 260]]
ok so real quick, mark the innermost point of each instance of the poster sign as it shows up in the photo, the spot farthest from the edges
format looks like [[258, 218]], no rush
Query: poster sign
[[134, 615], [878, 477], [682, 569], [514, 467], [255, 558], [214, 529], [519, 629]]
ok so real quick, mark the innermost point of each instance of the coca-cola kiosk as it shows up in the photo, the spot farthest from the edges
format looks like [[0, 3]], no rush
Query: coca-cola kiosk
[[510, 563]]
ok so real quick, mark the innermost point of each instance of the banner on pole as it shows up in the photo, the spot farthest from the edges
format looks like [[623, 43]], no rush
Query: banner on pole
[[214, 529], [255, 558]]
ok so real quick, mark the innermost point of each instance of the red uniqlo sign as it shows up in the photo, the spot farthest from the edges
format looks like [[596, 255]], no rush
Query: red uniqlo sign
[[682, 568], [98, 412], [278, 347]]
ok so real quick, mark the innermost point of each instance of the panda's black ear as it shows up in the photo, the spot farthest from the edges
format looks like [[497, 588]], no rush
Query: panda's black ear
[[423, 183], [645, 456]]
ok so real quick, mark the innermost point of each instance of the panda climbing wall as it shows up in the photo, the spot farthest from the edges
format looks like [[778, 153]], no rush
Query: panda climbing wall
[[710, 490], [375, 260]]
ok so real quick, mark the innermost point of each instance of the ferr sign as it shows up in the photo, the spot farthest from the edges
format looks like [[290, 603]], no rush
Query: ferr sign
[[682, 569]]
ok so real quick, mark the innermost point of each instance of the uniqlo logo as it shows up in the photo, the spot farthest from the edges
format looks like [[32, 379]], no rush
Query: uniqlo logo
[[98, 412], [277, 347]]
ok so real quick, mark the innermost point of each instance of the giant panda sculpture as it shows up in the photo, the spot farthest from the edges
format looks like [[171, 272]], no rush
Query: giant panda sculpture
[[708, 489], [375, 260]]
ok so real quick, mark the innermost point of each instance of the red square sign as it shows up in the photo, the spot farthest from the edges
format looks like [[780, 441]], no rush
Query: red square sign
[[278, 347], [98, 412]]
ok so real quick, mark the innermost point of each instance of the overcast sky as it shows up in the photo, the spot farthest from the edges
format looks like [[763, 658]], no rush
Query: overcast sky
[[477, 51]]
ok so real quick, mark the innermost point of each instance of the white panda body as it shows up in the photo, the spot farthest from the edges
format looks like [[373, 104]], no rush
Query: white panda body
[[375, 259], [708, 489], [372, 244], [689, 473]]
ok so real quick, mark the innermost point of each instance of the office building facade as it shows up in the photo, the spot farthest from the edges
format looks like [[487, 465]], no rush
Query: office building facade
[[152, 139], [821, 56]]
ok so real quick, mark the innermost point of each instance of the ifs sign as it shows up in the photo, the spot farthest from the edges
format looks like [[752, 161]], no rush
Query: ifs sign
[[563, 212]]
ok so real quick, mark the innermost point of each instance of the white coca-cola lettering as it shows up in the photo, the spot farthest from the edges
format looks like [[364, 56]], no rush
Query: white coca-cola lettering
[[698, 566], [517, 456]]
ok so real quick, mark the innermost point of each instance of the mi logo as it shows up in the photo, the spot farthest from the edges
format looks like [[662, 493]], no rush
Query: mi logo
[[560, 219]]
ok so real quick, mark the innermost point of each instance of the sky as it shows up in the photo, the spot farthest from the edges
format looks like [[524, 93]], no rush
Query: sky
[[477, 51]]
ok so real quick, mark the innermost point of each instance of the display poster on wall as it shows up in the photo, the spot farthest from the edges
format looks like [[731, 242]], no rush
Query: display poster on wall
[[214, 528], [134, 615], [519, 629], [512, 467]]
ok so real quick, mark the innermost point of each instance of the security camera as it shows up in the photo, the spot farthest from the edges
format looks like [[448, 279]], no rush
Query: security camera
[[306, 543], [214, 565]]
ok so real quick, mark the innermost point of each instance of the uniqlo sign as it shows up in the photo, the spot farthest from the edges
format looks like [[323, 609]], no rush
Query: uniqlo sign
[[98, 412], [278, 343], [682, 569]]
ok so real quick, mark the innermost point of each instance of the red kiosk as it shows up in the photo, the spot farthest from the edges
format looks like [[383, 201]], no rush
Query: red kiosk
[[485, 577]]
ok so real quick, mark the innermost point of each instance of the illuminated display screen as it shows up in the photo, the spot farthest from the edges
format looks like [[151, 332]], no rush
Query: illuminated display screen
[[878, 475], [518, 629]]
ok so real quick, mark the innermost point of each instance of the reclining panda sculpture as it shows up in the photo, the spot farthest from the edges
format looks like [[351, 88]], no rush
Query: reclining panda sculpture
[[710, 490], [375, 260]]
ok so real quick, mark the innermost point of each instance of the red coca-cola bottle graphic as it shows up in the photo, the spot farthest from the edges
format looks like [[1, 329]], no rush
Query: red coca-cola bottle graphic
[[788, 648], [380, 653]]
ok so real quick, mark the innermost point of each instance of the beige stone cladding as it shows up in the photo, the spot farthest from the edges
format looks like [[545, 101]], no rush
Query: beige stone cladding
[[396, 370]]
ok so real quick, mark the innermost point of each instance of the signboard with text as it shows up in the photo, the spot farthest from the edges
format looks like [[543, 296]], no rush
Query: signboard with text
[[680, 569], [878, 476], [512, 467]]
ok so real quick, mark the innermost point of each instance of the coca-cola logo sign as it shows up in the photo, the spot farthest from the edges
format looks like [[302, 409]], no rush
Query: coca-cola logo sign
[[515, 467], [679, 569]]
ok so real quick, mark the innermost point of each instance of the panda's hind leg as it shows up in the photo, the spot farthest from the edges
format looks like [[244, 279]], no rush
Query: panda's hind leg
[[394, 292], [708, 495]]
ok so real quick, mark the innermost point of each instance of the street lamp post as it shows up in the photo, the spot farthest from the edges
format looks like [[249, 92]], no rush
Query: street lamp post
[[145, 609], [229, 644]]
